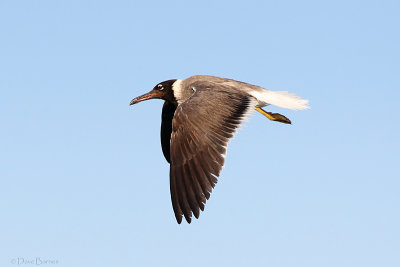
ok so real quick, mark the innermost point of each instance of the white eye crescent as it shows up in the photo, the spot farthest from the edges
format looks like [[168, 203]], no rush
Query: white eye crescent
[[160, 87]]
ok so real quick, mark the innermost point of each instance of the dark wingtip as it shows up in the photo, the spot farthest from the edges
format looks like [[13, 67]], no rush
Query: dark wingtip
[[188, 219], [178, 218], [196, 213]]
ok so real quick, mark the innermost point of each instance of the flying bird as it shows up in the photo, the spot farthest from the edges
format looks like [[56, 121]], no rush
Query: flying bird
[[199, 116]]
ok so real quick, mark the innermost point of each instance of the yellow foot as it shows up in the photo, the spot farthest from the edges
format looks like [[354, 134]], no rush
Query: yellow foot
[[274, 116]]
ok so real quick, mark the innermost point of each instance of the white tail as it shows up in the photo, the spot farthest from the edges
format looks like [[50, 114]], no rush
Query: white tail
[[281, 99]]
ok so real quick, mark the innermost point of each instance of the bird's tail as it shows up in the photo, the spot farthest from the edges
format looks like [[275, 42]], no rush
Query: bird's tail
[[284, 99]]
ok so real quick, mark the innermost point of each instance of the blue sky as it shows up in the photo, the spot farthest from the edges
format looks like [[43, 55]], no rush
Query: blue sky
[[83, 179]]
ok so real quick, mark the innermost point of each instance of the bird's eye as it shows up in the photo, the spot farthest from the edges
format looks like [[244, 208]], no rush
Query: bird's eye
[[160, 87]]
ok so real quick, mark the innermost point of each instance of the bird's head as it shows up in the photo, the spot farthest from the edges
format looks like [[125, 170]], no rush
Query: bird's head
[[162, 90]]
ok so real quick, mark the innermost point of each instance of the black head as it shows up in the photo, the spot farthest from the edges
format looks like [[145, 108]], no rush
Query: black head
[[162, 90]]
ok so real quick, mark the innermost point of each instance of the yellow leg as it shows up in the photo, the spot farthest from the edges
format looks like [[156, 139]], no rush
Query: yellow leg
[[274, 116]]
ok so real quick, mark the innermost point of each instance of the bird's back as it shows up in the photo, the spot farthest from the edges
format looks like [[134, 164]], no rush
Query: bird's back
[[263, 96]]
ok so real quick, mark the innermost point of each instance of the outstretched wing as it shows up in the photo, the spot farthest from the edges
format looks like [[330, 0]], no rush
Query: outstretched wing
[[201, 129]]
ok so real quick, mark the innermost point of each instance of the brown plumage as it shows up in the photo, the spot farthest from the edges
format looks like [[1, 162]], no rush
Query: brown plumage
[[199, 117]]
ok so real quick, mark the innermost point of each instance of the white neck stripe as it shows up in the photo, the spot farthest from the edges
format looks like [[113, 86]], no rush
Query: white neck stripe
[[177, 90]]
